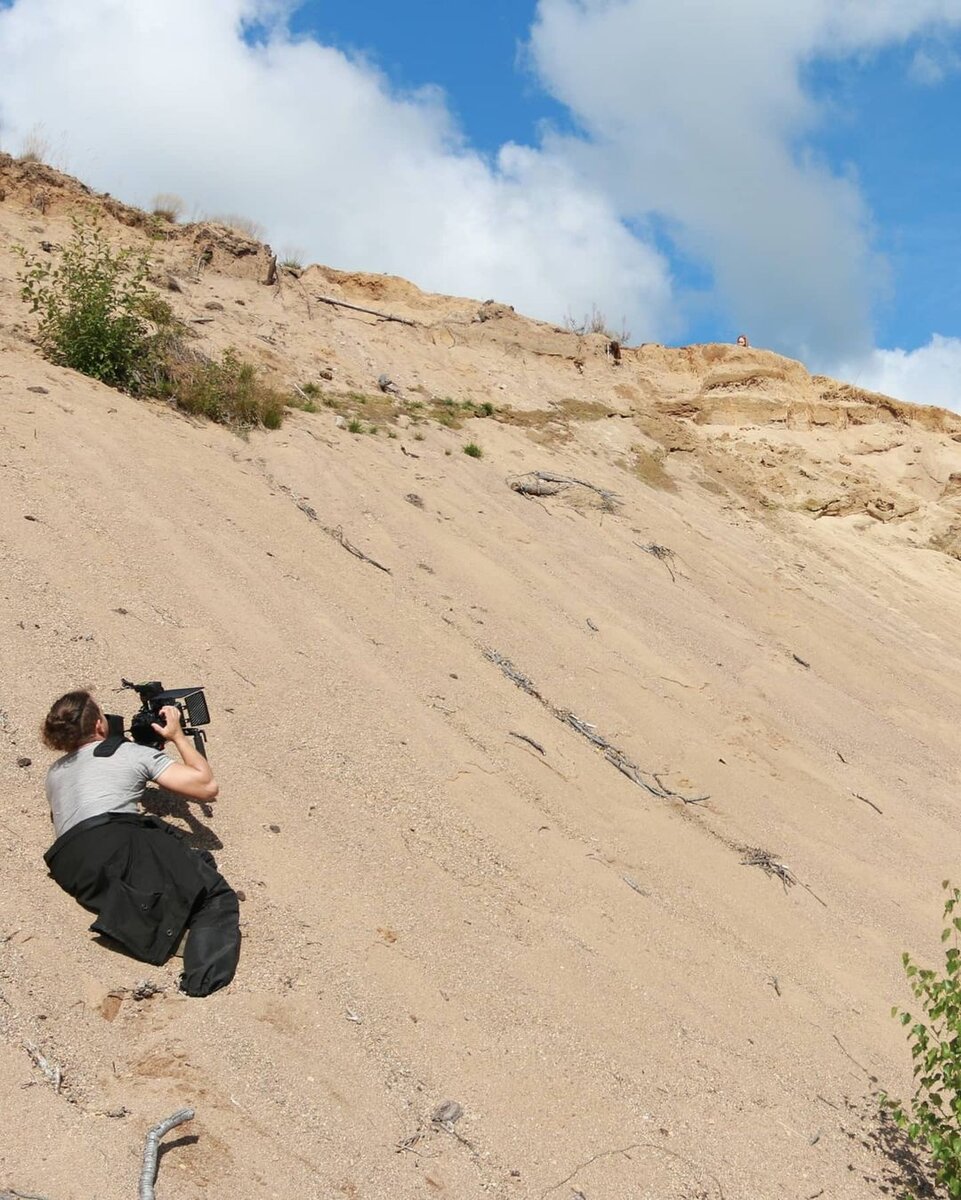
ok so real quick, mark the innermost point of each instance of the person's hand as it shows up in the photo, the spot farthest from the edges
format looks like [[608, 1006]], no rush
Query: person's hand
[[171, 726]]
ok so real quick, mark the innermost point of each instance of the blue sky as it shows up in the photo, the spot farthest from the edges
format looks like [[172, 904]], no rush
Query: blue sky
[[899, 135], [696, 168]]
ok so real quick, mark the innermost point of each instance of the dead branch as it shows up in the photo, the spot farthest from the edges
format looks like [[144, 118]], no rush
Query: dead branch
[[755, 857], [547, 483], [513, 674], [670, 792], [148, 1173], [614, 756], [339, 536], [663, 554], [370, 311], [534, 487]]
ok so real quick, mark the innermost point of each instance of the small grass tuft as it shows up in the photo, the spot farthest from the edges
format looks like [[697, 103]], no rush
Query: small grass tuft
[[240, 224], [167, 207], [472, 450], [292, 257], [355, 426]]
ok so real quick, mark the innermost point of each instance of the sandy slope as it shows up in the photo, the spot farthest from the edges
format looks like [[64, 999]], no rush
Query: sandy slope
[[464, 895]]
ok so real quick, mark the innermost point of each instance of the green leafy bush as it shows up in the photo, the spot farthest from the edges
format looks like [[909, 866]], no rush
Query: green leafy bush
[[933, 1117], [96, 308]]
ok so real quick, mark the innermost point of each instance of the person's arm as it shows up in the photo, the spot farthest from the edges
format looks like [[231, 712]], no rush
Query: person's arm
[[192, 777]]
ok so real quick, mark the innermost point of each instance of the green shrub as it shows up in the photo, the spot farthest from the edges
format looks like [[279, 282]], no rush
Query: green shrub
[[355, 426], [96, 308], [473, 450], [231, 391], [933, 1116]]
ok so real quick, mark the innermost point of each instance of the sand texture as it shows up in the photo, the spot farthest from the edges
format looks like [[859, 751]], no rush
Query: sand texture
[[437, 909]]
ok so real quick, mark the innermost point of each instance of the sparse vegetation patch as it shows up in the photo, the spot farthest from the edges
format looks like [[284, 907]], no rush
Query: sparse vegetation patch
[[933, 1116], [231, 392]]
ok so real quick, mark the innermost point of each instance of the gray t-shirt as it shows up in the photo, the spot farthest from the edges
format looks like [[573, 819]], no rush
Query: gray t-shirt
[[81, 786]]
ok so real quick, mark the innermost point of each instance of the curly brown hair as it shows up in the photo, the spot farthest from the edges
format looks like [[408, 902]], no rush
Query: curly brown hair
[[70, 722]]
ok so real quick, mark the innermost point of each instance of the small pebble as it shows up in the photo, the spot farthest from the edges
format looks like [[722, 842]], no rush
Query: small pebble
[[24, 762], [448, 1113], [274, 828]]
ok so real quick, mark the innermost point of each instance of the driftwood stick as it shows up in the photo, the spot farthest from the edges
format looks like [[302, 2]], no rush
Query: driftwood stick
[[522, 737], [870, 803], [370, 311], [148, 1173], [339, 536]]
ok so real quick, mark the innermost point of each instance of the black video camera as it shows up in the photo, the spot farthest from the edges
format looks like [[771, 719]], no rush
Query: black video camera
[[190, 703]]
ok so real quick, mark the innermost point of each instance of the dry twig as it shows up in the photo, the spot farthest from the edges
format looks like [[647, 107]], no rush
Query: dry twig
[[339, 536], [870, 803], [52, 1071], [522, 737], [755, 857], [663, 554]]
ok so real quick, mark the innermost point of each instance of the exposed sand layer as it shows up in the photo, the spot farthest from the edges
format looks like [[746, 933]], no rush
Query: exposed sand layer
[[622, 1006]]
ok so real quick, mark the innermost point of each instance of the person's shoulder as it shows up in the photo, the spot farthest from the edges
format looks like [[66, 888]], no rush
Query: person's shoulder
[[135, 750]]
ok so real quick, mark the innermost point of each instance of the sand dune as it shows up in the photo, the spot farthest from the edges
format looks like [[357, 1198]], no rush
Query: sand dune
[[622, 1007]]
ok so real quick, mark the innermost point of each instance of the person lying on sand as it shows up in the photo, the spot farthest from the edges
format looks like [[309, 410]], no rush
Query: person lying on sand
[[134, 871]]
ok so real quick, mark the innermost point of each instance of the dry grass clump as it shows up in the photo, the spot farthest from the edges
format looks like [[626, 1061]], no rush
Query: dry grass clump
[[168, 207], [239, 224], [292, 257], [596, 322], [35, 148], [231, 392]]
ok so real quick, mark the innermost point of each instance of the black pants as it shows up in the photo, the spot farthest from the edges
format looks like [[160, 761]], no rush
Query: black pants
[[146, 886]]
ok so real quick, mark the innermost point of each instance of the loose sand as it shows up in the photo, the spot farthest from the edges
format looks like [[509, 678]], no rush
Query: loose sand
[[622, 1007]]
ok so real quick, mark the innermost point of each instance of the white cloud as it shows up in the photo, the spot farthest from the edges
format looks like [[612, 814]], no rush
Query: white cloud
[[931, 65], [153, 96], [698, 112], [694, 113], [929, 375]]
